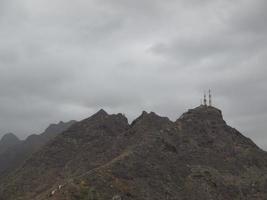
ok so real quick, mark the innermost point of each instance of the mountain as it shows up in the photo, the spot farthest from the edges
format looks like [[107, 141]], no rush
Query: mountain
[[197, 157], [14, 155], [7, 141], [54, 129]]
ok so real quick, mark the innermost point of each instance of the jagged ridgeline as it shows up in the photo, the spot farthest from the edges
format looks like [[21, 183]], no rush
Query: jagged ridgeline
[[197, 157]]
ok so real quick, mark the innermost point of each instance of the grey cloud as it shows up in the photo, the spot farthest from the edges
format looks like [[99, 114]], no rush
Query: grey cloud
[[226, 47], [64, 60], [252, 18]]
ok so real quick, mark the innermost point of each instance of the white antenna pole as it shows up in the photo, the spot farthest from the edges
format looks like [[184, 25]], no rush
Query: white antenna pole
[[210, 98], [205, 99]]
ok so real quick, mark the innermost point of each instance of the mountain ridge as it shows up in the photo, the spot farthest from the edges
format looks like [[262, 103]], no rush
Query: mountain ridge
[[104, 157]]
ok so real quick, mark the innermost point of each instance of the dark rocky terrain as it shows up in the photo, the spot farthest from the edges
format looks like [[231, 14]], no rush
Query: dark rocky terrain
[[198, 157], [13, 152]]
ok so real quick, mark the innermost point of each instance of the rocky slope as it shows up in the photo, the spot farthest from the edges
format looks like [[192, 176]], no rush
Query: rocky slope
[[198, 157], [14, 154]]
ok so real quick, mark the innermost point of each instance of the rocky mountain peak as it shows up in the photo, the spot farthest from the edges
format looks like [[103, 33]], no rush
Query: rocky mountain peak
[[7, 141], [101, 113], [101, 121], [149, 120], [53, 129], [9, 137], [99, 116], [203, 113]]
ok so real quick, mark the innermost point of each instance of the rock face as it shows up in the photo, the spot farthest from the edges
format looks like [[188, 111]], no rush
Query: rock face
[[15, 152], [198, 157]]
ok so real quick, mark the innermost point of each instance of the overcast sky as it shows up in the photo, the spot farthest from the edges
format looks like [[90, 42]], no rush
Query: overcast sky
[[65, 59]]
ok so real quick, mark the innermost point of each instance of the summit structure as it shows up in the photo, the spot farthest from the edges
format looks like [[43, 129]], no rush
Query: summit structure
[[210, 98], [209, 101], [205, 99]]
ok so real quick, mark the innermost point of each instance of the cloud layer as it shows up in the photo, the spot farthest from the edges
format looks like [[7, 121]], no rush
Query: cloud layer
[[62, 60]]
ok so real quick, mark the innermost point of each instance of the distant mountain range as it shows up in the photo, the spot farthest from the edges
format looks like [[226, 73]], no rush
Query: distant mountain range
[[7, 141], [103, 157], [13, 152]]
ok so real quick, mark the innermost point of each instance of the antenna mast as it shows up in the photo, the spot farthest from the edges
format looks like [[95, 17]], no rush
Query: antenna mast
[[210, 98], [205, 99]]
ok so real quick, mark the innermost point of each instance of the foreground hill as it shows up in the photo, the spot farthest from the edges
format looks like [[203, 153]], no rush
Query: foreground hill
[[14, 152], [198, 157]]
